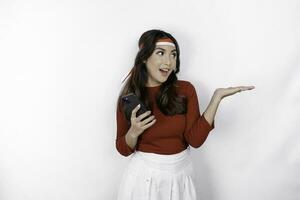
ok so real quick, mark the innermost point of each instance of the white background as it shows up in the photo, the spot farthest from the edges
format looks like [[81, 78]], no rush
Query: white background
[[61, 67]]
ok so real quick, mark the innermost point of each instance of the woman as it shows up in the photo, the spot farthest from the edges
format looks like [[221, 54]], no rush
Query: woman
[[159, 140]]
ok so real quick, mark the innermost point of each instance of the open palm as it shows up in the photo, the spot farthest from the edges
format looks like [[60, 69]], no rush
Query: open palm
[[224, 92]]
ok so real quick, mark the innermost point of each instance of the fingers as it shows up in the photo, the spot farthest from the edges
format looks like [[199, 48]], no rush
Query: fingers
[[142, 116], [149, 124], [247, 88], [134, 111], [148, 119], [137, 120], [242, 88]]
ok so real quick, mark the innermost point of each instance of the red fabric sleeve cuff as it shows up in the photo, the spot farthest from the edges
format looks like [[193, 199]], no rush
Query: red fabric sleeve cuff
[[126, 147], [207, 126]]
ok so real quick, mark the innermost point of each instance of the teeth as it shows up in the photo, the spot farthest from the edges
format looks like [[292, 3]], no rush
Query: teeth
[[165, 70]]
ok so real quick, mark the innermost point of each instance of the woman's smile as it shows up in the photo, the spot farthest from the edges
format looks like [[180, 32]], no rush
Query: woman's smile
[[164, 72]]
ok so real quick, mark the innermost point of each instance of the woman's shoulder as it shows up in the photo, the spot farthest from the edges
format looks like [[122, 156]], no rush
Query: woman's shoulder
[[185, 87], [184, 84]]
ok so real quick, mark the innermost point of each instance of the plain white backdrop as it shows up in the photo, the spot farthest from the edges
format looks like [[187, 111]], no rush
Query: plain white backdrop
[[61, 67]]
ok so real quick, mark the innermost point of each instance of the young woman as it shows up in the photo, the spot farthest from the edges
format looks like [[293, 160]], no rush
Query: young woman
[[159, 140]]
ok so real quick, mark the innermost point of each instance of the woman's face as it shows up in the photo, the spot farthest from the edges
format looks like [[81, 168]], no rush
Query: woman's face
[[162, 58]]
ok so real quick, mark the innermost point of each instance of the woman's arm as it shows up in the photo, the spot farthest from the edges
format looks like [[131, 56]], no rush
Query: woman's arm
[[210, 112], [198, 126], [127, 135], [219, 94], [131, 138]]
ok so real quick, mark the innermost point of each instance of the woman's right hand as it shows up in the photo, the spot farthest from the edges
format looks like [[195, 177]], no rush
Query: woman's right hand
[[137, 125]]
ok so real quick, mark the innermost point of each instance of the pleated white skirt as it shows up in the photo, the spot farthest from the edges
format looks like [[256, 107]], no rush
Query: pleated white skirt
[[151, 176]]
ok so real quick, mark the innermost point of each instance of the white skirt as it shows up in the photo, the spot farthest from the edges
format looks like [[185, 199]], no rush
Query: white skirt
[[151, 176]]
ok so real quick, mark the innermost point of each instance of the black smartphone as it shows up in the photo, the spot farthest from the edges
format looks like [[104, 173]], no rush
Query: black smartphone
[[130, 101]]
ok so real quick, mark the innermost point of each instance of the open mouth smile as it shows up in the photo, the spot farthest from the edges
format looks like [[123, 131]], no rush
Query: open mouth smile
[[164, 72]]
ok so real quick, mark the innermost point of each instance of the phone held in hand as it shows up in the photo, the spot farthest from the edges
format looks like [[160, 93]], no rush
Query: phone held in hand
[[130, 101]]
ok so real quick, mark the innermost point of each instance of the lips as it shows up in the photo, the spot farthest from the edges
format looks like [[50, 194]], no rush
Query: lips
[[164, 73]]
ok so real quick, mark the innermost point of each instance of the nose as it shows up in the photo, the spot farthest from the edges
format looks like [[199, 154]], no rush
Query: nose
[[167, 61]]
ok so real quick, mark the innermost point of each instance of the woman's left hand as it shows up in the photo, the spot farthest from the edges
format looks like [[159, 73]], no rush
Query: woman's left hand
[[224, 92]]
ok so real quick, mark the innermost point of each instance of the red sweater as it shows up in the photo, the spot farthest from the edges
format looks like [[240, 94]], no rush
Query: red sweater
[[169, 134]]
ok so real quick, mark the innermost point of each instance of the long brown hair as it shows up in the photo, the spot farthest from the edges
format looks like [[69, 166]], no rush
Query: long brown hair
[[167, 99]]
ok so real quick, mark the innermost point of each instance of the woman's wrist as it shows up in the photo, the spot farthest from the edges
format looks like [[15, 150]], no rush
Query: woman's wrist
[[133, 134], [216, 97]]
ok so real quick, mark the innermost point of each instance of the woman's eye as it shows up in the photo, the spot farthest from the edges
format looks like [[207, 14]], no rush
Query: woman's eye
[[162, 53]]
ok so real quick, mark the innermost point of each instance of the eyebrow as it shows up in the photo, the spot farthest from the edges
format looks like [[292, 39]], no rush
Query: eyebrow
[[163, 49]]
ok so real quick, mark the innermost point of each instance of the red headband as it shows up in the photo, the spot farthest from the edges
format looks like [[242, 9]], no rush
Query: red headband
[[160, 40]]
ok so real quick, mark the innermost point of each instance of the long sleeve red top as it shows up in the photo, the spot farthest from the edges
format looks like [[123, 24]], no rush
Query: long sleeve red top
[[169, 134]]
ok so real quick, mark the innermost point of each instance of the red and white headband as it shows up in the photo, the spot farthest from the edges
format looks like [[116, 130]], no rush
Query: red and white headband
[[163, 41]]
